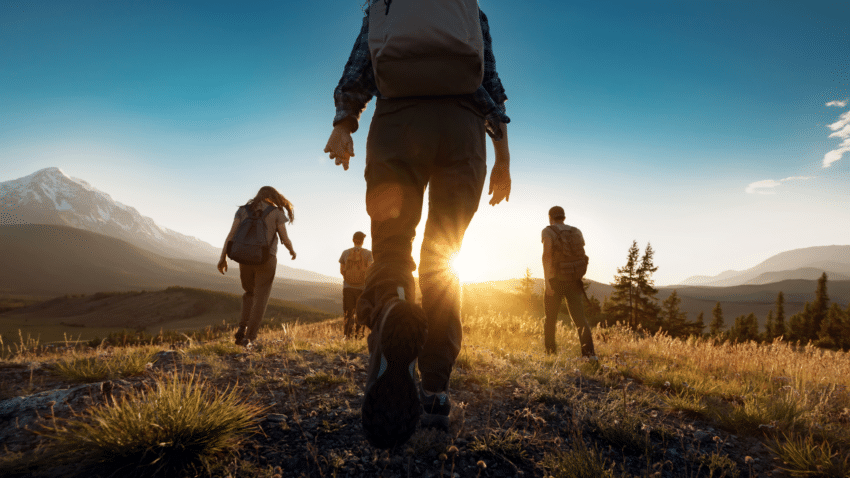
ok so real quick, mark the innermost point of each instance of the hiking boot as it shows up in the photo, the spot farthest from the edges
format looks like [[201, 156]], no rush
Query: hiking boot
[[436, 407], [391, 407], [240, 336]]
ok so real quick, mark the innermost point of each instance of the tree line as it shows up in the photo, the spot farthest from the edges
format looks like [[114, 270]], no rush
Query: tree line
[[634, 303]]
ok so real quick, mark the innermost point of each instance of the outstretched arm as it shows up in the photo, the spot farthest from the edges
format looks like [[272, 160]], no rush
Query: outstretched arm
[[355, 89], [500, 176]]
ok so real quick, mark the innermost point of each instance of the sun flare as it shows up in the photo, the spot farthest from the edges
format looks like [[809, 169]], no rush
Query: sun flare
[[466, 267]]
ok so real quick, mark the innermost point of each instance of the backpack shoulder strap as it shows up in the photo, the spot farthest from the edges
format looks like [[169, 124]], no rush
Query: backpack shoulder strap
[[557, 232]]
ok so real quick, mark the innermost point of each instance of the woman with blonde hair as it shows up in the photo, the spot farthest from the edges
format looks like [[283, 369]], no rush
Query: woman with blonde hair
[[257, 279]]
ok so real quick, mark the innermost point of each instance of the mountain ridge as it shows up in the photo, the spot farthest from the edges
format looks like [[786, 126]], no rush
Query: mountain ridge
[[49, 196], [787, 265]]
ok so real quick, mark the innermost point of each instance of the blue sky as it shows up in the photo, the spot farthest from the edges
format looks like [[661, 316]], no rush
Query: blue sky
[[712, 129]]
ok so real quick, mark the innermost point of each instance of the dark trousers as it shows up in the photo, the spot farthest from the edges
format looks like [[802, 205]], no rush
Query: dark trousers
[[257, 283], [350, 327], [574, 293], [414, 143]]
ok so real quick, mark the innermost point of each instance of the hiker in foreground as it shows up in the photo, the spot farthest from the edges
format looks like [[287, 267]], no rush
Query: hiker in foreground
[[434, 106], [564, 265], [251, 243], [353, 264]]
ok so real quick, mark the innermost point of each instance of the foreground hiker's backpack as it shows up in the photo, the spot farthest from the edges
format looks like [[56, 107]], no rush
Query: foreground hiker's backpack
[[426, 47], [568, 255], [249, 245], [355, 268]]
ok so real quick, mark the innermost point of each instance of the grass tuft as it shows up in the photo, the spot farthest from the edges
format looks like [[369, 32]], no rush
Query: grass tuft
[[577, 462], [124, 363], [167, 429], [803, 456]]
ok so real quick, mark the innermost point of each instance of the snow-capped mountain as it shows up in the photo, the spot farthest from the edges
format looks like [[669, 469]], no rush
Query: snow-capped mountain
[[49, 196]]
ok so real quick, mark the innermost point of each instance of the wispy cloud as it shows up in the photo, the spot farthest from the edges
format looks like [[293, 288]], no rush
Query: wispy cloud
[[841, 130], [765, 186], [768, 186]]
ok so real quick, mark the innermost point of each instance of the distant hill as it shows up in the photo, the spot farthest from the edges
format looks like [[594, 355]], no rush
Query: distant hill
[[51, 197], [56, 260], [794, 264], [755, 298], [805, 273], [176, 308]]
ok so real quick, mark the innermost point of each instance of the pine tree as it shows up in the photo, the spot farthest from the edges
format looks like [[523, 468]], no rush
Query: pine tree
[[531, 300], [592, 307], [751, 327], [526, 287], [819, 308], [672, 318], [717, 322], [696, 328], [798, 324], [832, 329], [768, 327], [736, 332], [607, 311], [647, 303], [779, 324], [623, 299]]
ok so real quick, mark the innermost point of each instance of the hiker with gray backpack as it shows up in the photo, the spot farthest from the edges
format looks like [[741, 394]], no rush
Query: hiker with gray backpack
[[430, 64], [251, 242], [564, 265], [353, 264]]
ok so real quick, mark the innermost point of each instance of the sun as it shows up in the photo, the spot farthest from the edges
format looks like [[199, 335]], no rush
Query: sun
[[465, 267]]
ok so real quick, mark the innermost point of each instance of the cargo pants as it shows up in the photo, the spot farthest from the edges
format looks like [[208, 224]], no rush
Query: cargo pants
[[257, 283], [573, 292], [438, 142]]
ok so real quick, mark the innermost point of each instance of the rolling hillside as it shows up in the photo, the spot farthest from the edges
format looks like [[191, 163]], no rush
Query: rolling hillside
[[176, 308], [55, 260]]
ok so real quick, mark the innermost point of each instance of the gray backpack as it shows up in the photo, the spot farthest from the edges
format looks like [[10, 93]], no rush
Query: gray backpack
[[426, 47], [249, 245]]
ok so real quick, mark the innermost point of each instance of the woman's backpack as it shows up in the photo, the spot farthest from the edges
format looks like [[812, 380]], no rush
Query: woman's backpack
[[568, 257], [249, 245]]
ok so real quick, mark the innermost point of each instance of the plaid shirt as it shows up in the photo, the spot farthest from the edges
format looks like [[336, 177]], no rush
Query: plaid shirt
[[357, 85]]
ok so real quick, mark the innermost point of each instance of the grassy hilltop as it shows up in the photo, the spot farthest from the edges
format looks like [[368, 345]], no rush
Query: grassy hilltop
[[652, 406], [96, 316]]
